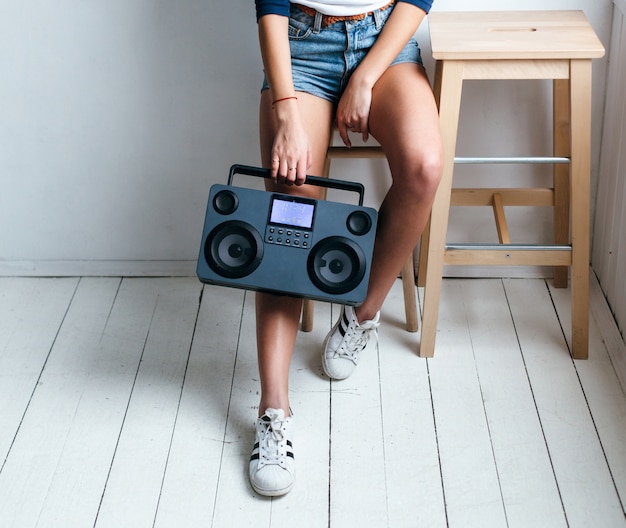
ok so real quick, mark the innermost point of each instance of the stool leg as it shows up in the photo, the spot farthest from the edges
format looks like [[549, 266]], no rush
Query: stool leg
[[448, 88], [561, 139], [423, 255], [410, 297], [306, 323], [580, 115]]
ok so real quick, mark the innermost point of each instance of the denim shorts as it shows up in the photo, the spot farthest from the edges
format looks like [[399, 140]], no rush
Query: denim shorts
[[323, 58]]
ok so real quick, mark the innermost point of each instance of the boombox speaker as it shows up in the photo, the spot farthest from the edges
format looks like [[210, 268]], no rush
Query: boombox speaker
[[284, 244]]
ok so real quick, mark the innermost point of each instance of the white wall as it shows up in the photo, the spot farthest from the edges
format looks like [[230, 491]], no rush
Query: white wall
[[117, 116]]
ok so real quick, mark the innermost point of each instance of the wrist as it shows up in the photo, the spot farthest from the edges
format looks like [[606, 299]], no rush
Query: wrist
[[363, 80], [285, 108], [283, 100]]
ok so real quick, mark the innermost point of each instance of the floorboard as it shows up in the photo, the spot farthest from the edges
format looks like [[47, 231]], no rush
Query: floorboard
[[585, 483], [469, 473], [131, 402], [42, 454], [521, 457], [195, 458], [31, 313]]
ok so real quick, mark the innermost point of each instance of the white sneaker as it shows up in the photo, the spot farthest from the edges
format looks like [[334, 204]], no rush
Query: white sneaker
[[347, 339], [272, 468]]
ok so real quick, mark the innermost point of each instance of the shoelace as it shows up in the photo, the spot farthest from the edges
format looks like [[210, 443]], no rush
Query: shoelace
[[273, 441], [358, 340]]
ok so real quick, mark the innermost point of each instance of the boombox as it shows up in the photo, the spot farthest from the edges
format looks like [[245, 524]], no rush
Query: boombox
[[284, 244]]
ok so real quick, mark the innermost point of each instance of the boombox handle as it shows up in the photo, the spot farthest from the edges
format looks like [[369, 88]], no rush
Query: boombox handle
[[313, 180]]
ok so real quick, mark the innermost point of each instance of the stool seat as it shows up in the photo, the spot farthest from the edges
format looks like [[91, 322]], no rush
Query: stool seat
[[557, 45], [509, 35]]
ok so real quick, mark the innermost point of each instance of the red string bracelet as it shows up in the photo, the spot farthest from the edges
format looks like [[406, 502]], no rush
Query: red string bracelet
[[283, 99]]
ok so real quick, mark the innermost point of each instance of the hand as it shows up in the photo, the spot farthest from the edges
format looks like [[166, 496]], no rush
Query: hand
[[353, 112], [291, 153]]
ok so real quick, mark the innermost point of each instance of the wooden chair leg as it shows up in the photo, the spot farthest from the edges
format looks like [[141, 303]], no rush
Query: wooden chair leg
[[307, 315], [422, 263], [448, 88], [410, 296], [561, 183], [580, 115]]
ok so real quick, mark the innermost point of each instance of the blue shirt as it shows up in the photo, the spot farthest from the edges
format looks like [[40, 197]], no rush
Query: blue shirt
[[281, 7]]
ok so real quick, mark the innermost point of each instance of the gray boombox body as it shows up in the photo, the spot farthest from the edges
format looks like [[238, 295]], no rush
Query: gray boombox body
[[284, 244]]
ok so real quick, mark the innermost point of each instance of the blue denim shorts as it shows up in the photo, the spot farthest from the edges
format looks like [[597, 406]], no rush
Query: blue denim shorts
[[323, 58]]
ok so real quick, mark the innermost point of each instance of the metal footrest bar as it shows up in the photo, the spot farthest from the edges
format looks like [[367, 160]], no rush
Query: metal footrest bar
[[508, 247], [551, 160]]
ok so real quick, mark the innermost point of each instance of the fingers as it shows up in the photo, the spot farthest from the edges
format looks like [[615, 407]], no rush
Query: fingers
[[288, 172], [342, 128], [357, 128]]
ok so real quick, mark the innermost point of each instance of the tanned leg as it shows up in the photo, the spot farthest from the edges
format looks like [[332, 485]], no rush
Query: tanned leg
[[404, 119], [278, 317]]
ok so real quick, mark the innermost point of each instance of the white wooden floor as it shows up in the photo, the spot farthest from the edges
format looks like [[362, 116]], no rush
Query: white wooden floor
[[130, 403]]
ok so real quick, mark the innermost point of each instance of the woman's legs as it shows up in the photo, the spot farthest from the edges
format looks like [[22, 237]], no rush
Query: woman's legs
[[278, 317], [404, 119]]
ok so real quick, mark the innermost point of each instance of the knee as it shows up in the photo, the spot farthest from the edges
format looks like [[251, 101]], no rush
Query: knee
[[422, 175]]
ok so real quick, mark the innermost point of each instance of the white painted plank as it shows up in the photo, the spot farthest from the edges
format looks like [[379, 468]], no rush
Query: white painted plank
[[609, 332], [306, 506], [585, 483], [31, 312], [76, 490], [413, 476], [32, 463], [615, 142], [358, 487], [528, 484], [190, 484], [604, 231], [134, 483], [236, 502], [470, 480], [603, 393]]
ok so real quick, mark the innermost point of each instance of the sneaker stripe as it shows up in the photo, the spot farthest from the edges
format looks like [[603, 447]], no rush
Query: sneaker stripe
[[343, 327]]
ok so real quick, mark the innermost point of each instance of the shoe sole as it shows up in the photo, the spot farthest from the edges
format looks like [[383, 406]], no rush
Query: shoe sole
[[273, 493]]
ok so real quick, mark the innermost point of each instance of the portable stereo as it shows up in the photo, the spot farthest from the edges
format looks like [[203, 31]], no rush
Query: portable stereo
[[284, 244]]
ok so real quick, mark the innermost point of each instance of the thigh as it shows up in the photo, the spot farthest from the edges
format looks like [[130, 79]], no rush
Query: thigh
[[405, 120], [317, 114]]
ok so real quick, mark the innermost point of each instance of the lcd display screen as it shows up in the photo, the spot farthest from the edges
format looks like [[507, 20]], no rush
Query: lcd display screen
[[292, 213]]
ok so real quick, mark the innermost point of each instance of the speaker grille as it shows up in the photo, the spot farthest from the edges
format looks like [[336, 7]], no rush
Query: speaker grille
[[234, 249], [336, 265]]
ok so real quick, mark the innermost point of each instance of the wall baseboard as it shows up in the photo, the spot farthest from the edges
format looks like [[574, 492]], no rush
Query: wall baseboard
[[98, 268]]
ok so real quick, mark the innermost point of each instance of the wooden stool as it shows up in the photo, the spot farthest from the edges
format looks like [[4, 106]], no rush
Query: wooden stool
[[557, 45], [408, 272]]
